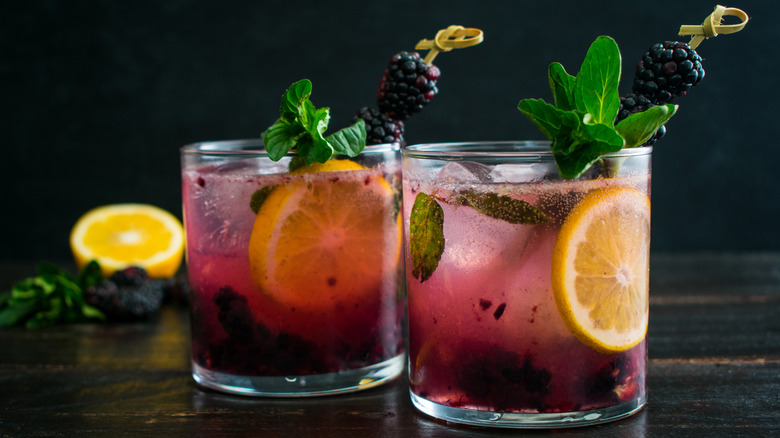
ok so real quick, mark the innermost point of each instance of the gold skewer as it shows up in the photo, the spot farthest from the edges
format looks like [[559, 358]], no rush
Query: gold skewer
[[712, 25], [453, 37]]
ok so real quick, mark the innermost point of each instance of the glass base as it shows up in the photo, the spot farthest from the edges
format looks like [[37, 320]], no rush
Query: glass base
[[301, 386], [527, 421]]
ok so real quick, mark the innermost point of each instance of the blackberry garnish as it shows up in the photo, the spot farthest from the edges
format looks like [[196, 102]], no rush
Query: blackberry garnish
[[380, 128], [667, 70], [636, 103], [407, 85]]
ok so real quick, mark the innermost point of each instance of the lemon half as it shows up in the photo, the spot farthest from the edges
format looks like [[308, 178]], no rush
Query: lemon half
[[122, 235]]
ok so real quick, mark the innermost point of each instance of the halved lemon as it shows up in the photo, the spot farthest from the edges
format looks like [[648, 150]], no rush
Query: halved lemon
[[600, 272], [122, 235], [323, 240]]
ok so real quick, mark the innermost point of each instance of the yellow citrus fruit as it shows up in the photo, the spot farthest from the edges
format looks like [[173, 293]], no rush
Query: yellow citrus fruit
[[122, 235], [600, 272], [322, 241]]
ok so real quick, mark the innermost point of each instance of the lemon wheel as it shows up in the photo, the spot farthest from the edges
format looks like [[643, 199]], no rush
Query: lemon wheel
[[600, 272], [322, 241]]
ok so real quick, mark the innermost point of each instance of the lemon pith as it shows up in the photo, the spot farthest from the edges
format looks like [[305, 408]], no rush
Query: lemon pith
[[600, 269]]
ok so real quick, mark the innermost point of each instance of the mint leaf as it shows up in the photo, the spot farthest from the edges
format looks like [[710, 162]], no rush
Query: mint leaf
[[281, 138], [14, 314], [639, 127], [426, 236], [301, 127], [596, 86], [502, 207], [296, 162], [562, 86], [293, 100], [349, 141], [575, 153], [90, 276], [547, 118], [259, 197]]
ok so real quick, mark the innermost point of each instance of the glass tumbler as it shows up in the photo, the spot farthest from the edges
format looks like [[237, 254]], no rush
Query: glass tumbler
[[527, 292], [294, 272]]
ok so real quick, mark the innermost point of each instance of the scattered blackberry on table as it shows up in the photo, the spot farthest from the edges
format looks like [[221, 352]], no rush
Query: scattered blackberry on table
[[636, 103], [128, 295], [407, 85], [667, 70], [380, 128], [131, 276]]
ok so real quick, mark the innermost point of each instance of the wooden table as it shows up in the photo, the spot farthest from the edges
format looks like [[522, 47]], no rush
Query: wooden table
[[714, 345]]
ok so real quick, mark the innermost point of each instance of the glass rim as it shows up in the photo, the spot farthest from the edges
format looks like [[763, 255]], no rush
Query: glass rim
[[522, 149], [255, 147]]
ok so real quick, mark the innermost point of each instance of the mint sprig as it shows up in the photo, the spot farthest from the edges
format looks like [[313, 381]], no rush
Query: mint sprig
[[51, 297], [301, 127], [581, 125]]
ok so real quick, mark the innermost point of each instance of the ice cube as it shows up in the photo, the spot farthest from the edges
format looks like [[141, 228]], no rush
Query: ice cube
[[217, 206], [521, 173], [464, 171]]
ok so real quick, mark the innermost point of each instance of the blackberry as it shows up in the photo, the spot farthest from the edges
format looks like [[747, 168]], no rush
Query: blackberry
[[667, 70], [380, 128], [635, 103], [131, 276], [128, 295], [407, 85]]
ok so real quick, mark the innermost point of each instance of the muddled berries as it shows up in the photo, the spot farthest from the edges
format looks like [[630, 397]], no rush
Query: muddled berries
[[407, 85], [502, 379], [667, 70], [380, 128]]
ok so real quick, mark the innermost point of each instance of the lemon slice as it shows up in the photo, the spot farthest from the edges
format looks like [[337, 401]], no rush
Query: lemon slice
[[323, 241], [600, 270], [122, 235]]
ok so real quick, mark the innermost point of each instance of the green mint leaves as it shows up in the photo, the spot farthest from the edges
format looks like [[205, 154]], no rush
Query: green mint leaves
[[259, 197], [426, 223], [301, 127], [426, 236], [503, 207], [581, 124], [50, 298]]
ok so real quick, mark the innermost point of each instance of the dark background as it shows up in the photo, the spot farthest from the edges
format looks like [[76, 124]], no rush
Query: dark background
[[98, 96]]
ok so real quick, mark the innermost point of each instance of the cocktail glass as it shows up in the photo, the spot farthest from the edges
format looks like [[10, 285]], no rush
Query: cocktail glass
[[527, 293], [295, 275]]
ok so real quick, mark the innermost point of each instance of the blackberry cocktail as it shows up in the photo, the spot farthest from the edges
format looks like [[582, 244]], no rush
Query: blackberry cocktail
[[528, 262]]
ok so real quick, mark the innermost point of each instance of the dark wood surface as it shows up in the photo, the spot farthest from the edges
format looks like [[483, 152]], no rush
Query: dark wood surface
[[714, 345]]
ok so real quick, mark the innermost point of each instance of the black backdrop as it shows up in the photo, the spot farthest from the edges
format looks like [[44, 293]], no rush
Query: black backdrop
[[98, 96]]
